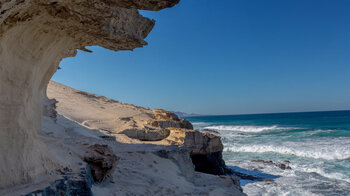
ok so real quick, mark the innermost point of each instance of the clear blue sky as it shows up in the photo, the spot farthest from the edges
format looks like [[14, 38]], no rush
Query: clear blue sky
[[229, 57]]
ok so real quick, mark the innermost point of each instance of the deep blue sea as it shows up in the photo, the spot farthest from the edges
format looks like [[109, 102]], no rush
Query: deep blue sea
[[316, 145]]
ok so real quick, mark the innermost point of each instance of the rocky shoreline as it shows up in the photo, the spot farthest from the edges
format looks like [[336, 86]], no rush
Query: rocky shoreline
[[98, 157]]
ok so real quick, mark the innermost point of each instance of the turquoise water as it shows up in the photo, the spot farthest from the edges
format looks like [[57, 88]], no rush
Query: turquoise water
[[317, 145]]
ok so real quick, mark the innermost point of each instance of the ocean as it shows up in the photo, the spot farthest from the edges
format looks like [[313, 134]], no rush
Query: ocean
[[288, 153]]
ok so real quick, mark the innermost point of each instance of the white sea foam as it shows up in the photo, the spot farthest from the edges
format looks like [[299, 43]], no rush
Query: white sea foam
[[316, 168], [290, 182], [200, 124], [263, 189], [248, 129], [331, 149], [319, 131], [304, 167]]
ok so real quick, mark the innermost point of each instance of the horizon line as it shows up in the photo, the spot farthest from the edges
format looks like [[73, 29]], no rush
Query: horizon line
[[199, 115]]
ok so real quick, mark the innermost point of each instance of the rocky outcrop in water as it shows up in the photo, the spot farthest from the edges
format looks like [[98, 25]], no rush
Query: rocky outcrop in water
[[282, 165]]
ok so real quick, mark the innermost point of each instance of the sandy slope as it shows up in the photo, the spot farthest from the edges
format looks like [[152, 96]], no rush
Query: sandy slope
[[93, 111], [142, 170]]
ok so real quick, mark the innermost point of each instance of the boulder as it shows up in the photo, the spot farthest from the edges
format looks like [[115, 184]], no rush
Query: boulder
[[101, 160]]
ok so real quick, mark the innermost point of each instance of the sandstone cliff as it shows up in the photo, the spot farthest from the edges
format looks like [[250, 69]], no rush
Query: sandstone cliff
[[35, 35]]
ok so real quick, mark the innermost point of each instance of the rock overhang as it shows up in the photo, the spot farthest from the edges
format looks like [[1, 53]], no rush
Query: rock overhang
[[112, 24], [35, 35]]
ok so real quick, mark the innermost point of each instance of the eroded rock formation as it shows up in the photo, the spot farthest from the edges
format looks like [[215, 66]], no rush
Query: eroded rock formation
[[163, 167], [205, 149], [35, 35], [164, 127]]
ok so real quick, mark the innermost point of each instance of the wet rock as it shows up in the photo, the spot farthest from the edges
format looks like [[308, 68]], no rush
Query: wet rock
[[284, 165], [102, 161], [286, 161], [264, 162]]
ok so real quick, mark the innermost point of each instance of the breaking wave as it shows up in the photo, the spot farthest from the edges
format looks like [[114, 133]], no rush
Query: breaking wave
[[248, 129], [329, 150]]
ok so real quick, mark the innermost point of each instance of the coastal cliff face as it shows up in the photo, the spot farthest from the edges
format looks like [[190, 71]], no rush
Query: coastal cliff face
[[138, 125], [35, 35], [145, 166]]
